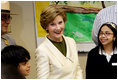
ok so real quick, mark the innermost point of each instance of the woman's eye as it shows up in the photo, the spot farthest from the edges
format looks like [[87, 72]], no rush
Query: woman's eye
[[52, 24], [60, 22]]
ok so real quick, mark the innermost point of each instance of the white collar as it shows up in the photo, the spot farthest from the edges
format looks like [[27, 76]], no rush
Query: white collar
[[113, 52], [104, 53]]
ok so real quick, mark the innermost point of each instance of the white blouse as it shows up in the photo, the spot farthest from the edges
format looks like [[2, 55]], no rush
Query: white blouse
[[108, 56]]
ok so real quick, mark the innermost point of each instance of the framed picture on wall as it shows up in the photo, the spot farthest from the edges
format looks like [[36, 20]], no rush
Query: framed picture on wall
[[80, 18]]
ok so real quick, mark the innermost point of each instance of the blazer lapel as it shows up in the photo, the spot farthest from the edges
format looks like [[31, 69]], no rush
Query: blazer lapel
[[69, 51], [55, 51]]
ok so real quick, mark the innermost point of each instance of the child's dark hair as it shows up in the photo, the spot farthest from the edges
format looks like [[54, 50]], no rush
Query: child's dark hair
[[14, 54], [113, 27]]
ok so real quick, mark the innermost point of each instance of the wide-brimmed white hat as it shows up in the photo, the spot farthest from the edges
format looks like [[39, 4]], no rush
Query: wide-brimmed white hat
[[5, 8]]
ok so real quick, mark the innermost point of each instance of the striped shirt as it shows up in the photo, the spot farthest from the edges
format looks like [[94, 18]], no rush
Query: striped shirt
[[108, 14]]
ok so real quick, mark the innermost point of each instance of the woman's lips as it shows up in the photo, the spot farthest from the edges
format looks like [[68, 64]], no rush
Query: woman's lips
[[58, 32]]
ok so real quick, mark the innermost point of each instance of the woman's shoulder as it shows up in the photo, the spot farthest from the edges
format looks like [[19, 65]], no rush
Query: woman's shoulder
[[42, 44], [41, 50], [69, 38]]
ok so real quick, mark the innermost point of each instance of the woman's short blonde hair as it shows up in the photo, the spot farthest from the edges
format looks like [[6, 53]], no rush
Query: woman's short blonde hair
[[48, 15]]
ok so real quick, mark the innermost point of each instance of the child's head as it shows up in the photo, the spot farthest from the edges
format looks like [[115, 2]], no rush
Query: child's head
[[17, 56], [108, 34]]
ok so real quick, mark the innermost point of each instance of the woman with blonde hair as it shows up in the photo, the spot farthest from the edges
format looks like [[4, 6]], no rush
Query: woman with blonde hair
[[56, 57]]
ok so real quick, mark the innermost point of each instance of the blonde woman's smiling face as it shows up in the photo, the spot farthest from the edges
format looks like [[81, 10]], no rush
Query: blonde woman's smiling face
[[56, 28]]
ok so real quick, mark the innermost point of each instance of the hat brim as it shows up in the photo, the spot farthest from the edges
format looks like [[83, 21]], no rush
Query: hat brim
[[8, 13]]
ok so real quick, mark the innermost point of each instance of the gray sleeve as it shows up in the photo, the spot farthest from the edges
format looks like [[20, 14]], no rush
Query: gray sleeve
[[11, 40]]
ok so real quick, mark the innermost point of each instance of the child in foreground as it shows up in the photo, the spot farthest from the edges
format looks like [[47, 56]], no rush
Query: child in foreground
[[15, 62]]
